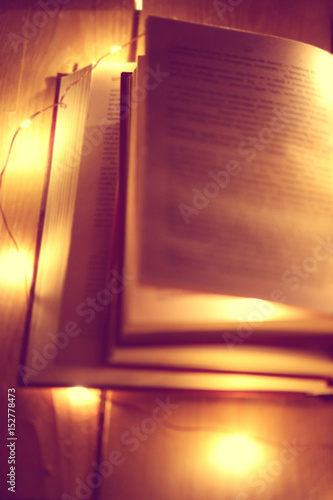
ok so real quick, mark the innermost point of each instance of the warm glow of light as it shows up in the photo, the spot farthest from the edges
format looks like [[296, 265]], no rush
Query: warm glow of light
[[25, 123], [236, 453], [251, 310], [323, 65], [138, 4], [15, 267], [81, 395], [115, 48]]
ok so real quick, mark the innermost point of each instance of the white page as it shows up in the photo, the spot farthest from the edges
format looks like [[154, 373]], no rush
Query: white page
[[76, 248], [90, 255], [263, 228], [157, 309], [61, 195]]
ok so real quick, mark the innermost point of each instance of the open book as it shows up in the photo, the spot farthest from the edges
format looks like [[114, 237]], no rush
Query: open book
[[201, 257]]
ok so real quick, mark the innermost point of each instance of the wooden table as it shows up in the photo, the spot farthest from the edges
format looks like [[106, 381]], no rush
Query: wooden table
[[59, 440]]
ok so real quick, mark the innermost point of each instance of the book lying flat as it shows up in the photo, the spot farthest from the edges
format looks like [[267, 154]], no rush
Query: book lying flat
[[187, 233]]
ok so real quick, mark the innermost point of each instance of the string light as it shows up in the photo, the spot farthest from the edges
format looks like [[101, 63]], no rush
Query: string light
[[81, 395], [236, 453], [27, 122], [13, 265], [115, 48]]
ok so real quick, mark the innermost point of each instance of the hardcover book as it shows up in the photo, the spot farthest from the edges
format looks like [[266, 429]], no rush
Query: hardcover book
[[185, 234]]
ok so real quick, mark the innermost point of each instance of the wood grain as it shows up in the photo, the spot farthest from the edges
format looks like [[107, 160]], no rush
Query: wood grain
[[57, 439], [175, 458]]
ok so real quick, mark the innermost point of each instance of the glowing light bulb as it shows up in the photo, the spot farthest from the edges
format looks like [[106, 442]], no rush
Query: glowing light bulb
[[236, 453], [14, 267], [81, 395], [115, 48], [138, 4], [25, 123]]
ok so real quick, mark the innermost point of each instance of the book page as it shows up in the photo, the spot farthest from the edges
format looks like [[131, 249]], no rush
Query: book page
[[86, 300], [171, 313], [76, 246], [60, 206], [237, 177]]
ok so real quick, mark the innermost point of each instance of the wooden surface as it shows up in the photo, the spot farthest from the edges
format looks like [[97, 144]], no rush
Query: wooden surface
[[57, 439]]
